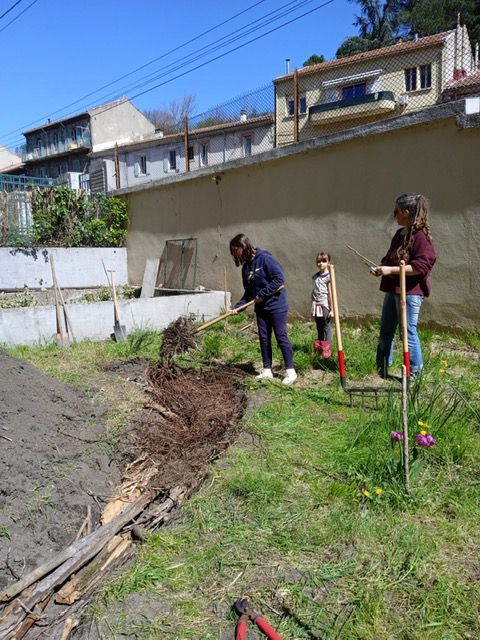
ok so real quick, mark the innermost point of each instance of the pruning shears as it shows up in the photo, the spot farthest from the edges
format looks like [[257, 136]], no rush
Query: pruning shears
[[246, 614]]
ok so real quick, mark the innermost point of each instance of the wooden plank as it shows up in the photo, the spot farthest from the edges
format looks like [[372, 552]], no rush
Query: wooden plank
[[150, 277]]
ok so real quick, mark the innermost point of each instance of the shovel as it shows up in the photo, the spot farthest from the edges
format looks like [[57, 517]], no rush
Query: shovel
[[119, 331]]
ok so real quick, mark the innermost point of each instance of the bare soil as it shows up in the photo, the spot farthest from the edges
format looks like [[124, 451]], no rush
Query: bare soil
[[54, 462]]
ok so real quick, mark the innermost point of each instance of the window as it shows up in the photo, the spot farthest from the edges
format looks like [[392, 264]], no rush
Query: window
[[354, 91], [55, 140], [142, 162], [425, 76], [190, 153], [247, 146], [172, 160], [411, 79], [302, 105], [204, 155]]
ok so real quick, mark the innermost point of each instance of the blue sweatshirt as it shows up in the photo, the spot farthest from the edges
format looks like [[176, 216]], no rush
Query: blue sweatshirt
[[261, 277]]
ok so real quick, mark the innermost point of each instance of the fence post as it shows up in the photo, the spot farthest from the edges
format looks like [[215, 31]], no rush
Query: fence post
[[187, 161], [295, 106]]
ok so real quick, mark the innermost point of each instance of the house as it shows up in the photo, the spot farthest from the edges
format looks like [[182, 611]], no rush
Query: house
[[370, 86], [8, 160], [60, 148], [159, 156]]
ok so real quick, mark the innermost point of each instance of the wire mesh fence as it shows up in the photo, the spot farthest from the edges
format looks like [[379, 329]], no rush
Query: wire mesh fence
[[371, 86], [238, 128]]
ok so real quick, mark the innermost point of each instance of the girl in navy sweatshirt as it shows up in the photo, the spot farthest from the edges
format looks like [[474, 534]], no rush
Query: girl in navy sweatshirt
[[413, 244], [262, 275]]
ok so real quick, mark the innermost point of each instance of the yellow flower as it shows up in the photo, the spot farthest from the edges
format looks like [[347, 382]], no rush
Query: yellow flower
[[366, 493], [444, 363], [421, 423], [424, 433], [441, 371], [378, 491]]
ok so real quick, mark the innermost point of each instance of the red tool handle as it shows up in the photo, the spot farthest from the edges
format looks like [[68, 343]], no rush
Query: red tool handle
[[265, 628], [241, 628]]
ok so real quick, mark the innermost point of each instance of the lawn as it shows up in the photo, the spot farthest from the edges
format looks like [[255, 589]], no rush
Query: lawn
[[306, 514]]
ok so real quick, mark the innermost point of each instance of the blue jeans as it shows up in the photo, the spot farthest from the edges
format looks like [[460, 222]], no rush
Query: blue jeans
[[388, 325]]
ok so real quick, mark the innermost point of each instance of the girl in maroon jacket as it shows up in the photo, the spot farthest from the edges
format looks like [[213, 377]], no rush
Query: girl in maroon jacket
[[413, 244]]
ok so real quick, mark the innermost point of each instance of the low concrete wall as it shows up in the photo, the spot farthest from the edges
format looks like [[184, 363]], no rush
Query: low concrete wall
[[32, 325], [74, 267]]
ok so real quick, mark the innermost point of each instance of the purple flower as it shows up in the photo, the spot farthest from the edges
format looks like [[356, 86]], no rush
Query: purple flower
[[425, 440], [396, 436], [422, 440]]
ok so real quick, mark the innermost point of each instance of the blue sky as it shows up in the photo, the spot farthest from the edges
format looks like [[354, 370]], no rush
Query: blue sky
[[58, 51]]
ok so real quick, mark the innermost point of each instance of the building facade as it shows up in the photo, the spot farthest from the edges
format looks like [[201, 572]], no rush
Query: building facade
[[160, 156], [374, 85], [61, 148]]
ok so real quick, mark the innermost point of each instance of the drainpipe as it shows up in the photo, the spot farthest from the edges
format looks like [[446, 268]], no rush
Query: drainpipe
[[117, 167]]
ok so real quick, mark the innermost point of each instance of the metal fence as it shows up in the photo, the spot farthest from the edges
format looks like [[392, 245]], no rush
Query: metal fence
[[15, 217], [239, 128]]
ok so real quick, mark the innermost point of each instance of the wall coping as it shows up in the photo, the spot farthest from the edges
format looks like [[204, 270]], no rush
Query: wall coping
[[454, 109]]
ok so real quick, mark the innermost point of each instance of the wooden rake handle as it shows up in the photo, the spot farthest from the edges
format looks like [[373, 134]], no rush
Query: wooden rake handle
[[229, 313]]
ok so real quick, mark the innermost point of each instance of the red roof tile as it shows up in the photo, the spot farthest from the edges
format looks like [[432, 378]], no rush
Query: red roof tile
[[399, 47]]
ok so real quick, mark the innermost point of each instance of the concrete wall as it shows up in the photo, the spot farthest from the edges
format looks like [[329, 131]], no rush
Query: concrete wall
[[320, 195], [120, 123], [74, 267], [32, 325]]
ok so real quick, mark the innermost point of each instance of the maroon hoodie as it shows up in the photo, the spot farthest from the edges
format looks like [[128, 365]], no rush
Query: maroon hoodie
[[421, 256]]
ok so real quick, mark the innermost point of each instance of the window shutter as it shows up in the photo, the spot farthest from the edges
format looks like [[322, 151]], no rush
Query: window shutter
[[136, 169], [165, 162]]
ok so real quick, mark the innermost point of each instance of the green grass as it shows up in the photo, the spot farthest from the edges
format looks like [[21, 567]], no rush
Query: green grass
[[285, 520]]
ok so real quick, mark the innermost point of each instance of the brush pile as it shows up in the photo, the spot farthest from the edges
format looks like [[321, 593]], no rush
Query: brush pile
[[191, 418], [178, 337]]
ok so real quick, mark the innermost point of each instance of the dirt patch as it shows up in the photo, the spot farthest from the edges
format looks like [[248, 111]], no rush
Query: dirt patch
[[53, 465]]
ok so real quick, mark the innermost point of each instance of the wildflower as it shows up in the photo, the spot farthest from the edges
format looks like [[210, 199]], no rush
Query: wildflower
[[379, 491], [423, 424], [441, 371], [423, 433], [366, 493], [444, 363], [396, 436], [425, 440]]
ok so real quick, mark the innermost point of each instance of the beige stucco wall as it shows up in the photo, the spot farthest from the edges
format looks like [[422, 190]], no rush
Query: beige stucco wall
[[321, 199]]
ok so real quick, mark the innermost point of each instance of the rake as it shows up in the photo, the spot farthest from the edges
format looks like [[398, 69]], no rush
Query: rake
[[369, 391]]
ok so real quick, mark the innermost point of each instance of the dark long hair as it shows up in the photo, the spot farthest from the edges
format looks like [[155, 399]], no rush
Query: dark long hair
[[418, 207], [241, 240]]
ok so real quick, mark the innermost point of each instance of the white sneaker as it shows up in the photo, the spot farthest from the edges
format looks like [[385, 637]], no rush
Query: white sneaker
[[290, 377], [265, 374]]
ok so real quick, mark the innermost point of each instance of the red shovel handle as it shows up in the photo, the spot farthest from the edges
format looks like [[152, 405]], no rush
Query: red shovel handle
[[241, 629], [263, 625]]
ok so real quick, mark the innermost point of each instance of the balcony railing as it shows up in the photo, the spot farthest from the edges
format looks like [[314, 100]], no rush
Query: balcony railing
[[351, 108], [21, 183], [53, 149]]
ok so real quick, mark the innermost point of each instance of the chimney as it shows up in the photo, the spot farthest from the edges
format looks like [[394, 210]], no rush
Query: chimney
[[287, 65], [243, 115]]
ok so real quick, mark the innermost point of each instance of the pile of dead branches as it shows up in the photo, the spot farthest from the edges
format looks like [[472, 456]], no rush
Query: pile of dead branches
[[178, 337], [191, 418]]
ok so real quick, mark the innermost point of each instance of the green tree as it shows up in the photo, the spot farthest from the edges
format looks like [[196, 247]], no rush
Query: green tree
[[314, 59], [424, 17], [377, 26]]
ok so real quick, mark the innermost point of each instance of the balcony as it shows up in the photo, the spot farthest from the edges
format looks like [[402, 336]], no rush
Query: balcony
[[365, 106], [53, 149]]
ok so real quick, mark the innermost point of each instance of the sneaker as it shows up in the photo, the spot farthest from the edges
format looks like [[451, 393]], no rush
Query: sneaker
[[265, 374], [290, 377]]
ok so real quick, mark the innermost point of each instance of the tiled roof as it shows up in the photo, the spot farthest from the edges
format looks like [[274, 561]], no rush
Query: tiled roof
[[468, 81], [399, 47], [194, 133]]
